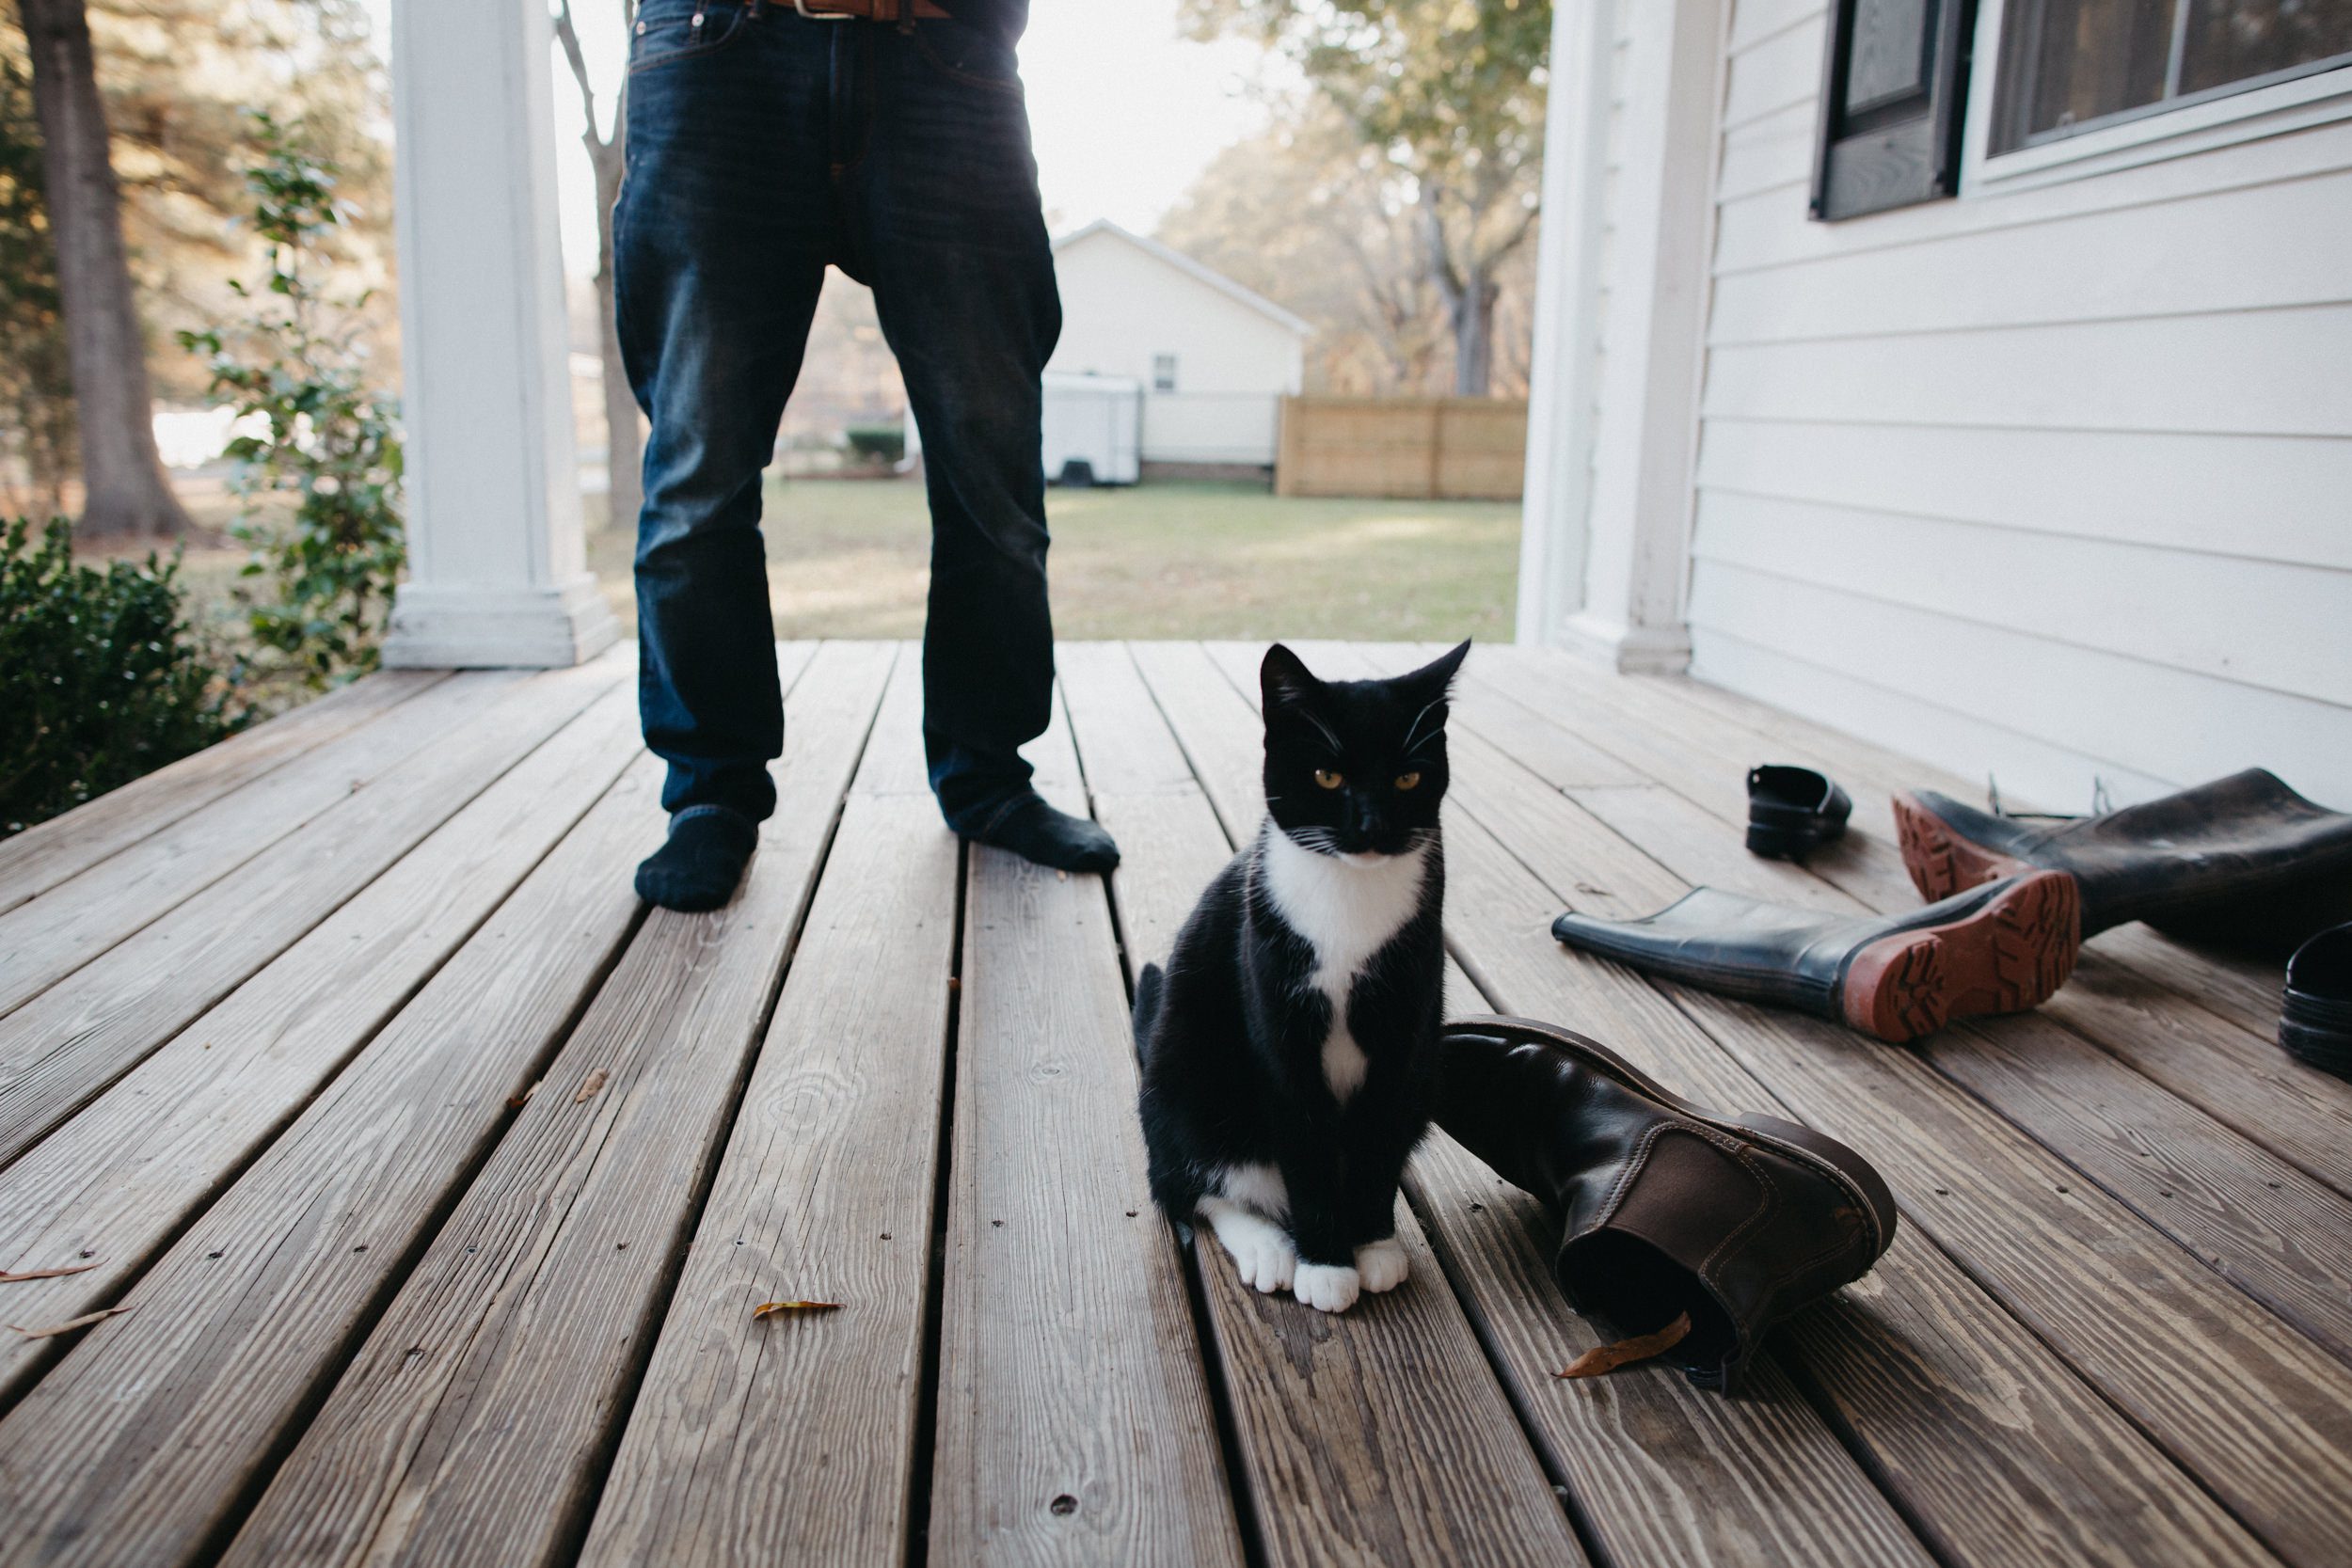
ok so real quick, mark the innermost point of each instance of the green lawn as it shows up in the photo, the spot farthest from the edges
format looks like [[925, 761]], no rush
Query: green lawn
[[848, 557]]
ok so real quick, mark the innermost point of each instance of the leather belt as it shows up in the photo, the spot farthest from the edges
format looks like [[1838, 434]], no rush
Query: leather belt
[[872, 11]]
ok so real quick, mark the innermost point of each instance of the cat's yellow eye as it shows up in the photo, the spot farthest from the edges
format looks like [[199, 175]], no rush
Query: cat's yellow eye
[[1328, 779], [1408, 781]]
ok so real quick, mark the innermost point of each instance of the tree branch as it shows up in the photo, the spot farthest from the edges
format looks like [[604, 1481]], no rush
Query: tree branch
[[569, 36]]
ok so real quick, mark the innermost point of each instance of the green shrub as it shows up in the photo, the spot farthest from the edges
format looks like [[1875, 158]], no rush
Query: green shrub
[[99, 681], [296, 370]]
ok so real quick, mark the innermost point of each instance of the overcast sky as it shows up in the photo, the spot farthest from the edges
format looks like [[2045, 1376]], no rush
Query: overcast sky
[[1123, 112]]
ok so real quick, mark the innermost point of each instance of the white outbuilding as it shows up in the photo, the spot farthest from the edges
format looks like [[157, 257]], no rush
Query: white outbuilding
[[1214, 360]]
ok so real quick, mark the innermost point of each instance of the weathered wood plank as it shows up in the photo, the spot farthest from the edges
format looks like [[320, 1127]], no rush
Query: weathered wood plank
[[2232, 1393], [90, 912], [140, 1446], [48, 852], [69, 1043], [1074, 1416], [794, 1440], [127, 1172], [1378, 1435], [474, 1422], [1759, 1479]]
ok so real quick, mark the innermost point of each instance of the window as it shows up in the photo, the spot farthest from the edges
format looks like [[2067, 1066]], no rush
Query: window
[[2070, 65], [1163, 372]]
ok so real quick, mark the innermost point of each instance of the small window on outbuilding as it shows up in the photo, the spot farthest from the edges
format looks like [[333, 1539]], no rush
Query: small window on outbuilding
[[1163, 372], [1893, 84]]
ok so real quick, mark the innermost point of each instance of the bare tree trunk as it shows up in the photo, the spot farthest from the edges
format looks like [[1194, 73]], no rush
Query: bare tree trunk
[[624, 454], [624, 448], [1472, 310], [121, 472]]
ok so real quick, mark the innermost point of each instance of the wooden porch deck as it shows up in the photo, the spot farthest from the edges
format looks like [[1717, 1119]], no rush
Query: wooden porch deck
[[431, 1181]]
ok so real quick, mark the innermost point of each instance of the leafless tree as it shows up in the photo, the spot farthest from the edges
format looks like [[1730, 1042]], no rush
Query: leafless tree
[[624, 450]]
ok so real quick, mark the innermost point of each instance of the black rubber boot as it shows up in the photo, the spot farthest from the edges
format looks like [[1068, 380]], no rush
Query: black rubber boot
[[2000, 948], [2242, 863]]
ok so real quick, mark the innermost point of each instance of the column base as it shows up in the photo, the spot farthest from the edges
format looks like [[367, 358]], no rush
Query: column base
[[442, 628], [1627, 649]]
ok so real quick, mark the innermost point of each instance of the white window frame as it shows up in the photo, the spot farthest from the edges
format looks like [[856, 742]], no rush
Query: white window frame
[[2294, 104]]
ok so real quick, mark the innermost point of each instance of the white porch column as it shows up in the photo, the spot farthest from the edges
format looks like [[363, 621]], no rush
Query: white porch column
[[1626, 607], [498, 571], [1561, 390]]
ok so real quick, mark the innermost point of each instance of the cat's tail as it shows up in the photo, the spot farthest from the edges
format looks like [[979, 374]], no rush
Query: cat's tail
[[1150, 986]]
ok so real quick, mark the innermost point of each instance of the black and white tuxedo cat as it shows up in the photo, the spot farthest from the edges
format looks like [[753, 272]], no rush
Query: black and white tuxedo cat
[[1288, 1048]]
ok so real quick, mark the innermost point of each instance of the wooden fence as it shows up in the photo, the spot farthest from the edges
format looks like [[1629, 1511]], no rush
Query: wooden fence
[[1460, 449]]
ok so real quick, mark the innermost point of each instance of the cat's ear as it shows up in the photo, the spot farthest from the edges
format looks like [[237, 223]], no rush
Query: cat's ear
[[1433, 682], [1283, 678]]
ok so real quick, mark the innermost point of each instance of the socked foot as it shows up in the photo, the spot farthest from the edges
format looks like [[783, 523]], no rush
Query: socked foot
[[697, 869], [1036, 831]]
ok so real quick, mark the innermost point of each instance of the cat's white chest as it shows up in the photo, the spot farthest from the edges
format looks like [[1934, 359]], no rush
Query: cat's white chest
[[1347, 910]]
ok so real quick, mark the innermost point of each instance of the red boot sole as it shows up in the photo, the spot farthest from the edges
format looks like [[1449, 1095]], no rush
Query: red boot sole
[[2005, 957], [1942, 863]]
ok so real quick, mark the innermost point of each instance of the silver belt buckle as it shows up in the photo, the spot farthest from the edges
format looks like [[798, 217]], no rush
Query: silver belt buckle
[[802, 6]]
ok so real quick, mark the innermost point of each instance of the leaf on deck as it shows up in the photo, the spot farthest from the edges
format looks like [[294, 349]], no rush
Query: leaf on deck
[[778, 1309], [69, 1324], [8, 1278], [1608, 1358], [589, 1086]]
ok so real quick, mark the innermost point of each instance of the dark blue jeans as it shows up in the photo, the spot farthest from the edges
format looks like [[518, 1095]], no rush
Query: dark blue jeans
[[761, 147]]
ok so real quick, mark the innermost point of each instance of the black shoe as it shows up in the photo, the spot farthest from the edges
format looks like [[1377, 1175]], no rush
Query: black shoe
[[1665, 1208], [2316, 1026], [2000, 948], [2242, 861], [1793, 811]]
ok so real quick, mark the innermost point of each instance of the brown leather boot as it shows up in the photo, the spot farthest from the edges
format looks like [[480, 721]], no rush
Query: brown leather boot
[[1665, 1208]]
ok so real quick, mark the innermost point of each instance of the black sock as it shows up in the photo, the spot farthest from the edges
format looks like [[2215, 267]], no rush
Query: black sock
[[1036, 831], [698, 867]]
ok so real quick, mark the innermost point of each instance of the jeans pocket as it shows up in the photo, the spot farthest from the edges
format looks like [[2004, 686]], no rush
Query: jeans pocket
[[669, 31], [969, 53]]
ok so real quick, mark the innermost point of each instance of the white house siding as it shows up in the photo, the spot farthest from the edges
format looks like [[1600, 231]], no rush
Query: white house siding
[[2052, 484], [1122, 307]]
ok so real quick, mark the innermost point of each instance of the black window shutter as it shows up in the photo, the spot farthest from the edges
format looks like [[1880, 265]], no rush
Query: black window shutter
[[1895, 77]]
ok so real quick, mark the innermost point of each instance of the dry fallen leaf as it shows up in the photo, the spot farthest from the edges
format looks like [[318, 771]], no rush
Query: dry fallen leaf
[[1608, 1358], [778, 1309], [8, 1278], [589, 1086], [69, 1324]]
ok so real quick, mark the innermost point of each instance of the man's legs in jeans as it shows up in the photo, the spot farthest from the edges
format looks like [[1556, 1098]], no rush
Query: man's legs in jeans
[[941, 215], [719, 241]]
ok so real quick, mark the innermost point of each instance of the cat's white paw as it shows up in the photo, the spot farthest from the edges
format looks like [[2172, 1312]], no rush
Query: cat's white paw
[[1382, 1264], [1261, 1251], [1326, 1287]]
